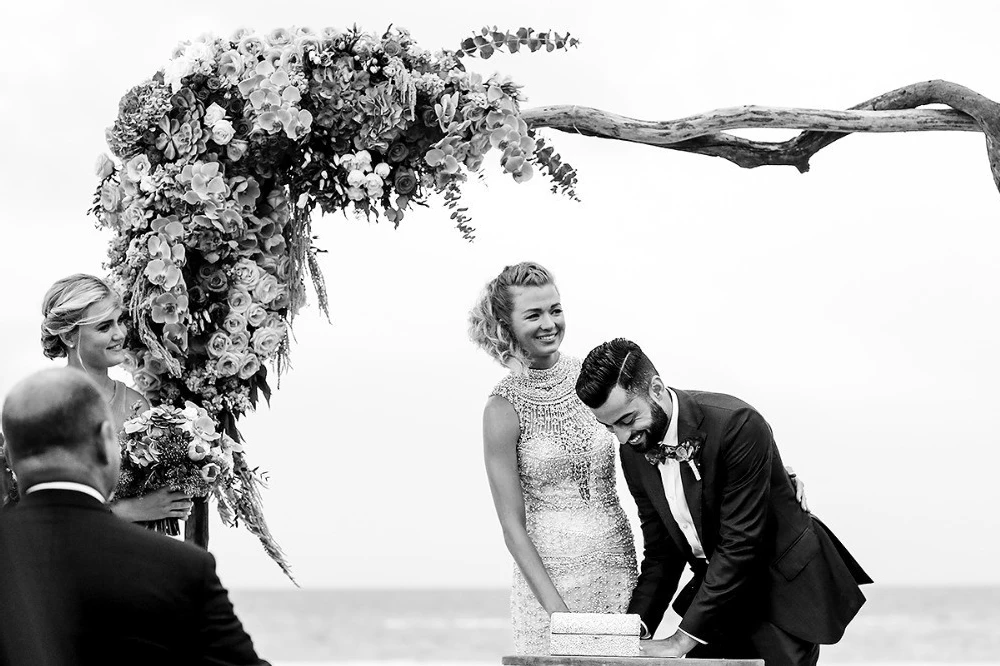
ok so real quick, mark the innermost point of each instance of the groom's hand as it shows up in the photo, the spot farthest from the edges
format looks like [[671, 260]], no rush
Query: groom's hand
[[677, 645]]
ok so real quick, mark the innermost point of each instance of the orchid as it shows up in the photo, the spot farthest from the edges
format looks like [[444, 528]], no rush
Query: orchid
[[167, 308]]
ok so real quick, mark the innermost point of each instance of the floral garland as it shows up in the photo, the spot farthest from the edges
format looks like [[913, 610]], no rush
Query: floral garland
[[224, 154]]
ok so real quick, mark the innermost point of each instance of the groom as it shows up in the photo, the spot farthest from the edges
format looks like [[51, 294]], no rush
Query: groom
[[770, 581]]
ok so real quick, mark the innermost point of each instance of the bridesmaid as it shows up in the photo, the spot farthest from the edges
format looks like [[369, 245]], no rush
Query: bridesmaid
[[81, 320]]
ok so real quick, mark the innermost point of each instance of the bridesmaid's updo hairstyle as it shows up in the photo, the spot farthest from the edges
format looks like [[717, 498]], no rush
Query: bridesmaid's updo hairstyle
[[64, 305], [490, 318]]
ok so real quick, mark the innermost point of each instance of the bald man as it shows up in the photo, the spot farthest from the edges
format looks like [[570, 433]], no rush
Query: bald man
[[89, 587]]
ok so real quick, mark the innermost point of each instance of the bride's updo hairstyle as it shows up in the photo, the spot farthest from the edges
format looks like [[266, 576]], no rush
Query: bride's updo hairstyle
[[490, 318], [64, 305]]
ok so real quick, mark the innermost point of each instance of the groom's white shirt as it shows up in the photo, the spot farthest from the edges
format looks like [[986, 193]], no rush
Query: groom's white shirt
[[67, 485], [670, 472]]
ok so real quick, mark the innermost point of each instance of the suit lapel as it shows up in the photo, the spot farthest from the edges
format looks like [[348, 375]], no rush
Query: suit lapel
[[688, 428]]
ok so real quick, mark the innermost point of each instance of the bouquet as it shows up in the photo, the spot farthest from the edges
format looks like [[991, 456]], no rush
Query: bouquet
[[178, 448]]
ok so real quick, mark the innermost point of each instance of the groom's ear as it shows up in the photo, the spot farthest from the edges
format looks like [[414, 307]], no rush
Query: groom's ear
[[656, 387]]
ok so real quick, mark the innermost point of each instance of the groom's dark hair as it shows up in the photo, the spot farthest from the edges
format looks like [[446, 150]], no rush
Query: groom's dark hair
[[619, 362]]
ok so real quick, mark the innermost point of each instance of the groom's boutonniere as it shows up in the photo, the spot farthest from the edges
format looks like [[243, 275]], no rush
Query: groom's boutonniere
[[683, 452]]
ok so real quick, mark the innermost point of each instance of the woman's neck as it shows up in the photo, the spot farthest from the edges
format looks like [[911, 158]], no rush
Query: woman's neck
[[543, 362], [99, 375]]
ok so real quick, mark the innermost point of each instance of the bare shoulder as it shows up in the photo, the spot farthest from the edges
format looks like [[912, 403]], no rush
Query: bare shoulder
[[500, 422], [132, 396]]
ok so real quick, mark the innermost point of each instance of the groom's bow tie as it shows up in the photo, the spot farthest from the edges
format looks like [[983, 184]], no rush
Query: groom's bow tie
[[683, 452]]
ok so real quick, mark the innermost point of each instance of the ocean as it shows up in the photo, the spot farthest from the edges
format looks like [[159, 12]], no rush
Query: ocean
[[898, 625]]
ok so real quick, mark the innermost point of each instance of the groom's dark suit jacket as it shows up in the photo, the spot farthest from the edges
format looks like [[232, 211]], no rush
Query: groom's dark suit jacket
[[85, 587], [768, 559]]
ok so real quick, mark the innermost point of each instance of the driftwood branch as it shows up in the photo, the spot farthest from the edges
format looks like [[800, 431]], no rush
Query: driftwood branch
[[705, 134]]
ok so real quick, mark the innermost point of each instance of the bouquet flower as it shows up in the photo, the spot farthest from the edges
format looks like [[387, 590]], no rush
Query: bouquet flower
[[178, 448]]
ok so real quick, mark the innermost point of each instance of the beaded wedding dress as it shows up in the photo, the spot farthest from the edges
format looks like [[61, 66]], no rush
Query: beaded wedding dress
[[566, 461]]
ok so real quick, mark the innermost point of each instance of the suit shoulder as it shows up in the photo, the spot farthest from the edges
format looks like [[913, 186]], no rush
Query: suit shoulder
[[720, 402], [730, 410]]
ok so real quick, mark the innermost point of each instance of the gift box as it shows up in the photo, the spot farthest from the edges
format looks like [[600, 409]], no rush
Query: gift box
[[594, 634]]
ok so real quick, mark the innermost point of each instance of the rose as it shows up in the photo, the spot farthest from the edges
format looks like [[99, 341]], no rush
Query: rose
[[227, 365], [363, 47], [249, 366], [236, 149], [363, 160], [137, 167], [373, 183], [134, 217], [154, 364], [391, 48], [279, 37], [244, 272], [251, 45], [218, 344], [239, 342], [230, 67], [197, 450], [282, 300], [382, 169], [234, 323], [356, 178], [145, 381], [223, 132], [239, 300], [398, 152], [217, 282], [104, 167], [266, 341], [405, 181], [266, 289], [214, 114], [111, 196], [255, 315], [274, 321]]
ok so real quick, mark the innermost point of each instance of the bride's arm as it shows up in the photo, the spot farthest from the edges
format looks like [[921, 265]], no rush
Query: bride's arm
[[500, 434]]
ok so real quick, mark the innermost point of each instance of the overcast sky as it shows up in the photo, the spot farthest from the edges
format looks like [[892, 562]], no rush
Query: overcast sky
[[855, 306]]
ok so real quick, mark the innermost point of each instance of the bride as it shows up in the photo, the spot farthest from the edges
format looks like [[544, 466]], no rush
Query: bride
[[550, 464]]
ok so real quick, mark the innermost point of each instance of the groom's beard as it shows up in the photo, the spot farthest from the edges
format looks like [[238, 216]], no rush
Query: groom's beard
[[654, 432]]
